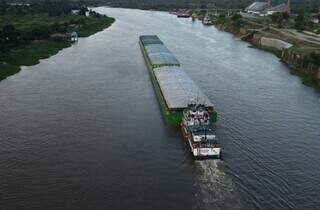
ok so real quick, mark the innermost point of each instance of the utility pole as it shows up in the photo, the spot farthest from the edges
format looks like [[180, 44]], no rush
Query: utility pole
[[289, 6]]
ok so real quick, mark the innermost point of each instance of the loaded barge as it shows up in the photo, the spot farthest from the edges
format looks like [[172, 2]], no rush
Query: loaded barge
[[174, 88], [181, 100]]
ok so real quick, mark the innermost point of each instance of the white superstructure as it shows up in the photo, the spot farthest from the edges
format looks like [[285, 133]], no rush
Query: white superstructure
[[199, 133]]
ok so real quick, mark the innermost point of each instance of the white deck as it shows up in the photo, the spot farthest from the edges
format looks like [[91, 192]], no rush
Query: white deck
[[178, 88]]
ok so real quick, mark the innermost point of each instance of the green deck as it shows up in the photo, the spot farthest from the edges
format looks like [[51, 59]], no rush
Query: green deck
[[171, 117]]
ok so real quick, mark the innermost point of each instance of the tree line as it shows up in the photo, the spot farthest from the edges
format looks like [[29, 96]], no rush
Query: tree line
[[297, 5], [51, 7], [11, 37]]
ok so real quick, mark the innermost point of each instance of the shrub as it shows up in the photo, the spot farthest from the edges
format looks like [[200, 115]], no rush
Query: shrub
[[315, 58]]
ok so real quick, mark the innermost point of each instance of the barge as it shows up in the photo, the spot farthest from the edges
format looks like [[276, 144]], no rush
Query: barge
[[173, 87]]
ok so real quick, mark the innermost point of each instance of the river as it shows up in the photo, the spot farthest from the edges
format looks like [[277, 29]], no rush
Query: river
[[83, 129]]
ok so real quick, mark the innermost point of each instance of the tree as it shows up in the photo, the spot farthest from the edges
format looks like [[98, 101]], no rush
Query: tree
[[277, 18], [237, 20], [236, 17], [56, 27], [300, 21], [300, 17], [315, 58], [9, 34], [83, 11], [57, 7], [3, 7], [286, 16], [94, 14], [222, 16], [40, 33]]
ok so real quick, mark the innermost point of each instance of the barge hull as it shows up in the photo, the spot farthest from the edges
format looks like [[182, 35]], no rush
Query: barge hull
[[171, 117]]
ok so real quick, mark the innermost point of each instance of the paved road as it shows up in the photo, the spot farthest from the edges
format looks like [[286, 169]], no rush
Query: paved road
[[297, 35], [292, 33]]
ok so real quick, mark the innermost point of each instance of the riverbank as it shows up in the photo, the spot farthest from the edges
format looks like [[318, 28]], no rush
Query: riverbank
[[31, 53], [92, 120], [301, 55]]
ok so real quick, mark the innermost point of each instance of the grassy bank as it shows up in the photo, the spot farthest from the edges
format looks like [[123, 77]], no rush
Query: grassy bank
[[301, 48], [40, 19], [30, 54], [94, 25], [306, 79]]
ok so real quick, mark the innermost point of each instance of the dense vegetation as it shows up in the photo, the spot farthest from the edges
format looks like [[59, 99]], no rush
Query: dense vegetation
[[307, 5], [32, 32]]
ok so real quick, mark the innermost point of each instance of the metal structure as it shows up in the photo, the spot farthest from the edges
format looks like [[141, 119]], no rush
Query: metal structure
[[158, 53], [173, 87]]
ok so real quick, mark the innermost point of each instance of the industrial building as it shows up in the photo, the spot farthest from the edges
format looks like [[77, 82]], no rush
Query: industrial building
[[266, 8]]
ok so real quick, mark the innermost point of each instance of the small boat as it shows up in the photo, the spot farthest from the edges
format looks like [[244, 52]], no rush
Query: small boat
[[206, 21], [183, 15], [199, 132]]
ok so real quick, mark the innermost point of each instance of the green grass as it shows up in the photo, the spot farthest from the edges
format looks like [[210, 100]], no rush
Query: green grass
[[304, 50], [306, 79], [30, 21], [94, 25], [7, 70], [31, 54]]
